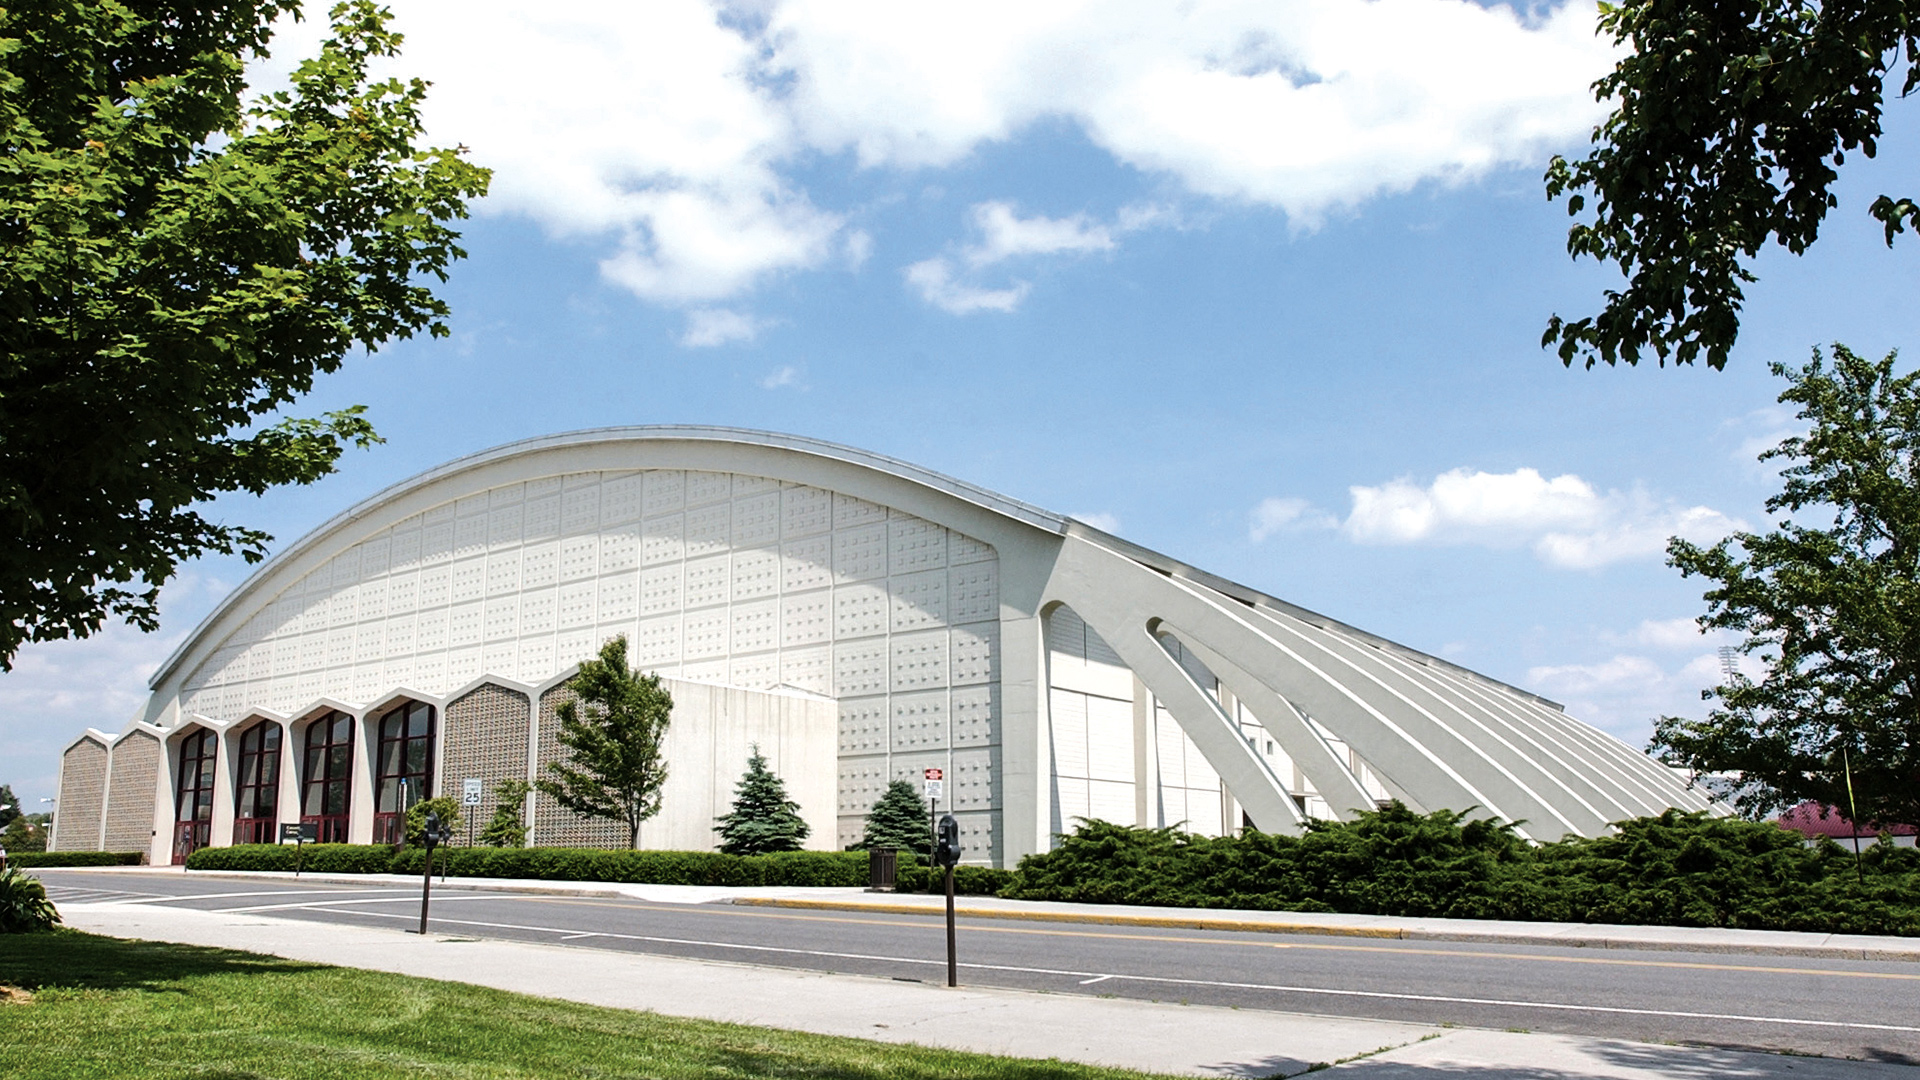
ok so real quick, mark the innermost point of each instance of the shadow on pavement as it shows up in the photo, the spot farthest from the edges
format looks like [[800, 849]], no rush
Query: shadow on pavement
[[1611, 1061]]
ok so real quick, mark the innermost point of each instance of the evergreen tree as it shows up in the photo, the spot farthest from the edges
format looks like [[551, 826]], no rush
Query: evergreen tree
[[507, 829], [899, 821], [763, 818], [9, 806]]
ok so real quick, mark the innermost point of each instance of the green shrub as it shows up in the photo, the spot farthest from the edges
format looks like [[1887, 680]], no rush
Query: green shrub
[[31, 859], [1676, 869], [915, 877], [787, 868], [24, 907], [313, 858]]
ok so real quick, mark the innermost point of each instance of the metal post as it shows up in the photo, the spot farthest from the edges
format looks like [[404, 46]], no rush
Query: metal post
[[299, 849], [953, 965], [426, 879]]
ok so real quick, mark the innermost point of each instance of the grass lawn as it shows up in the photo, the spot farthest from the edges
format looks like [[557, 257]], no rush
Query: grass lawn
[[108, 1008]]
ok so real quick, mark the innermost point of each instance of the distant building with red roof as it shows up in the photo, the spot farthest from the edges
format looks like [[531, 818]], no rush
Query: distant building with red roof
[[1815, 820]]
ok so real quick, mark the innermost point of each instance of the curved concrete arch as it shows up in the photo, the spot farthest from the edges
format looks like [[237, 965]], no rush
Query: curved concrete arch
[[1532, 781], [1330, 776]]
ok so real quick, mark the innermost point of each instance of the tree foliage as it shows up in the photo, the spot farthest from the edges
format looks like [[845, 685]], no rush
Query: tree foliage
[[763, 819], [445, 806], [899, 820], [1730, 123], [9, 806], [176, 266], [507, 829], [612, 733], [1829, 600]]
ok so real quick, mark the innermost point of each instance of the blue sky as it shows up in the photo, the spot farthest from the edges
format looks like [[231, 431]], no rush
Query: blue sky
[[1259, 286]]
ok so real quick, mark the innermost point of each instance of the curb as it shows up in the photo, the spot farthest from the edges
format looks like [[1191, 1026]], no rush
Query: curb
[[1839, 952]]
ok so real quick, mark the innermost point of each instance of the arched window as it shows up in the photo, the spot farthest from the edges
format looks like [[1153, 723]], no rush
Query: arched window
[[405, 768], [193, 803], [256, 807], [328, 772]]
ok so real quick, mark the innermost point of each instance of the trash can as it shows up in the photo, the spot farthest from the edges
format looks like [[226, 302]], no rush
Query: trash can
[[882, 867]]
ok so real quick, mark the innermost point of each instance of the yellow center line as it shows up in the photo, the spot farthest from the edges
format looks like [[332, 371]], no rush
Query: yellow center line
[[1695, 965]]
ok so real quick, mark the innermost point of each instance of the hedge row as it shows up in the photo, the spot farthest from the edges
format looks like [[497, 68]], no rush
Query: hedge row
[[31, 859], [789, 868], [1676, 869]]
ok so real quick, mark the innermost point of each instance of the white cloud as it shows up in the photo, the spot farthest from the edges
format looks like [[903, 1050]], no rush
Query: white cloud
[[933, 278], [1104, 522], [1005, 235], [707, 327], [785, 375], [1625, 693], [1663, 634], [1565, 520], [1278, 515], [1305, 106], [673, 133]]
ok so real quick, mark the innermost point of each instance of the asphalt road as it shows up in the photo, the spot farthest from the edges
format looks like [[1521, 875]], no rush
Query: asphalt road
[[1841, 1008]]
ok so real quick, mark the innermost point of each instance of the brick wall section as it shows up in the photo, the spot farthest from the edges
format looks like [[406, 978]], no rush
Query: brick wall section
[[135, 770], [83, 782], [486, 737], [553, 825]]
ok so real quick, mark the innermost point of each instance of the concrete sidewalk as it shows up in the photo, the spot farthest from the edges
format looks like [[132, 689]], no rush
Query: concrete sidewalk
[[1565, 935], [1158, 1037]]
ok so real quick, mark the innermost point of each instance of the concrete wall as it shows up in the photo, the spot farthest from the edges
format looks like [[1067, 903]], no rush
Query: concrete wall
[[83, 793], [133, 778], [483, 736], [713, 731]]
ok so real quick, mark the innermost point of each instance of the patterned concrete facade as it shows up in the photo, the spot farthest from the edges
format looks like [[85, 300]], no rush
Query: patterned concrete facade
[[83, 795]]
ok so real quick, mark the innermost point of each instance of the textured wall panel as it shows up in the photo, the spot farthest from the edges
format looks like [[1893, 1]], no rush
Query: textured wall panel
[[554, 825], [920, 722], [859, 610], [484, 733], [83, 788], [131, 778]]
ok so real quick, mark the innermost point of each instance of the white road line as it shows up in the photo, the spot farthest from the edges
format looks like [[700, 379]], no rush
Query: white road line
[[1166, 980], [1095, 979], [326, 905], [264, 892]]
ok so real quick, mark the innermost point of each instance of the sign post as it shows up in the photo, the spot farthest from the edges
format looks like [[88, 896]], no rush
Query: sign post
[[299, 834], [935, 787], [470, 790]]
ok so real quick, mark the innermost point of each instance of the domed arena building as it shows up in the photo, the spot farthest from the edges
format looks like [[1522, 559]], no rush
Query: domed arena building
[[857, 618]]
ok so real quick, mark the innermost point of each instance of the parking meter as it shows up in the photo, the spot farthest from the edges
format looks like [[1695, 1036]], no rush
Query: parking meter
[[435, 834], [946, 849], [946, 852]]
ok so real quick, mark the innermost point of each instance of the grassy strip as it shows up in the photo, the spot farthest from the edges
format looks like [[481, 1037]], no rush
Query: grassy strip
[[107, 1008]]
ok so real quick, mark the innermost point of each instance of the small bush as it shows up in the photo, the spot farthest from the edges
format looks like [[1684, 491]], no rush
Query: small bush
[[24, 907], [32, 859]]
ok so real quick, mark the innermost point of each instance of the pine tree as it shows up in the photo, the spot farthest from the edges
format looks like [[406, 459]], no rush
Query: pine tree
[[507, 829], [899, 821], [763, 818]]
